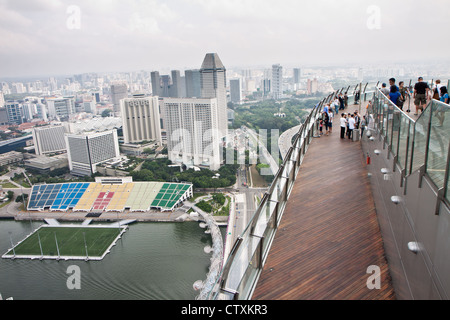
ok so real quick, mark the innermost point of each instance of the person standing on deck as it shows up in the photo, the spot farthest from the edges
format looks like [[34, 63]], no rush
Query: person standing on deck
[[325, 120], [363, 125], [394, 95], [421, 90], [384, 90], [403, 92], [343, 125], [341, 102], [330, 121], [351, 126]]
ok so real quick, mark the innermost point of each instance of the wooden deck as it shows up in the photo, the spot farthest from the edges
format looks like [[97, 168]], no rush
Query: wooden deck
[[329, 234]]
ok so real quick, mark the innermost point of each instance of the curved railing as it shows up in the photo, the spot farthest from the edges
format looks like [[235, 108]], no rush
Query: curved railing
[[243, 266]]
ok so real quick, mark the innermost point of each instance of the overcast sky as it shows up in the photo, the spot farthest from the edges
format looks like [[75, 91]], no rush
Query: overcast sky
[[44, 37]]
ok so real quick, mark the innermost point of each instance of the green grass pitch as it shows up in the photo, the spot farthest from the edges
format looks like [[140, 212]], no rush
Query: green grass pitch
[[70, 240]]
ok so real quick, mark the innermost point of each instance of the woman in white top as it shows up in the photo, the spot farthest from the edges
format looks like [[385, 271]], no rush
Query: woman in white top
[[343, 125]]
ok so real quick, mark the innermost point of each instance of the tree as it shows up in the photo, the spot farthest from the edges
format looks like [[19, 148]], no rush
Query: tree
[[10, 195], [106, 113], [205, 206], [19, 197]]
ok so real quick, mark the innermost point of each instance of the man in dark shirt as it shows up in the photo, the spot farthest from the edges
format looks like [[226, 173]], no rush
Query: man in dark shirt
[[421, 89]]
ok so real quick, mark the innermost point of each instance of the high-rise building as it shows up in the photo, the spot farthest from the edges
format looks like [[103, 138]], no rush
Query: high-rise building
[[119, 91], [312, 86], [277, 81], [192, 135], [213, 85], [3, 116], [266, 87], [14, 112], [193, 87], [156, 83], [297, 75], [49, 139], [235, 90], [28, 110], [41, 111], [141, 119], [176, 88], [166, 82], [61, 108], [85, 151]]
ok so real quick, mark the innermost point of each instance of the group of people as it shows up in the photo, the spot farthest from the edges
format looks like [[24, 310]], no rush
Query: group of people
[[348, 121], [421, 93], [351, 122]]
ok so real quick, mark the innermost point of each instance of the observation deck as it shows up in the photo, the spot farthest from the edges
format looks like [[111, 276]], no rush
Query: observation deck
[[329, 234], [333, 225]]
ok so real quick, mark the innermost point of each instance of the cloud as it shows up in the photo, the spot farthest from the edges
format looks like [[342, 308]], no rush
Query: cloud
[[118, 34]]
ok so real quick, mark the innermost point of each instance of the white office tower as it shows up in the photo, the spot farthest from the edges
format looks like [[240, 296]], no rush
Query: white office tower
[[235, 90], [277, 81], [192, 131], [41, 111], [141, 119], [213, 85], [61, 108], [85, 151], [49, 139]]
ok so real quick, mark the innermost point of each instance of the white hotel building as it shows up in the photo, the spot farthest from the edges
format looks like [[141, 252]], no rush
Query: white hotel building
[[85, 151], [49, 139], [192, 127], [141, 119]]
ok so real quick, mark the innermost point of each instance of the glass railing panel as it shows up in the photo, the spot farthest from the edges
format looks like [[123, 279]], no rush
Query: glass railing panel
[[396, 121], [420, 139], [241, 261], [438, 146], [251, 270], [410, 147], [403, 141], [389, 120], [447, 192]]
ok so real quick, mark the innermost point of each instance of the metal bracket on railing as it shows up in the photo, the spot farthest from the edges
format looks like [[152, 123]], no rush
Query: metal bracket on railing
[[402, 179], [421, 174], [394, 162], [439, 199], [231, 291], [260, 251]]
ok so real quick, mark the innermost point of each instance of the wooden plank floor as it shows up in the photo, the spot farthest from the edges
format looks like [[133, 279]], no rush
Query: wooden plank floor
[[329, 234]]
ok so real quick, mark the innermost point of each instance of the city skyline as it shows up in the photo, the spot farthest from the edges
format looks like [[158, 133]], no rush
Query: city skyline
[[55, 37]]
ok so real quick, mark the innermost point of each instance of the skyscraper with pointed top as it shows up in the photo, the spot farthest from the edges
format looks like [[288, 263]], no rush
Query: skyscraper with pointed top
[[213, 85]]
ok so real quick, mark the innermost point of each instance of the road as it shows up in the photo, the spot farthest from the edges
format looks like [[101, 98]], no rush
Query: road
[[264, 152], [285, 140]]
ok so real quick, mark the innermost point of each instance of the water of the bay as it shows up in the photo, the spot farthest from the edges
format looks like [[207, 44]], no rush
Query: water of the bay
[[152, 261]]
